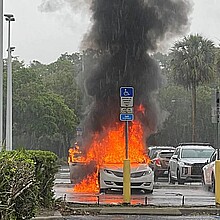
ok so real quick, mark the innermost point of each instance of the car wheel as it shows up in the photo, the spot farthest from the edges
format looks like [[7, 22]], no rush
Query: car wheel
[[170, 179], [148, 191], [102, 191], [179, 180], [213, 184]]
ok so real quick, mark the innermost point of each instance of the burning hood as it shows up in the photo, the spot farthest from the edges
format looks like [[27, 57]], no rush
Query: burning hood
[[135, 167]]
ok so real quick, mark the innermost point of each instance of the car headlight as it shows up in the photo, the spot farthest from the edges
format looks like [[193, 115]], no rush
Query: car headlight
[[108, 171], [147, 172], [182, 164]]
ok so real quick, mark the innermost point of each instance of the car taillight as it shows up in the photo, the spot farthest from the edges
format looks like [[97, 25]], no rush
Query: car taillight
[[157, 162]]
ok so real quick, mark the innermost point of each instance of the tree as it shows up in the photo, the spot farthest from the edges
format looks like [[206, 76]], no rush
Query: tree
[[192, 64]]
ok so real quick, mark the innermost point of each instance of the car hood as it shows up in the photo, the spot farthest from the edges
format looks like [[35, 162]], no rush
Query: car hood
[[194, 160], [119, 167]]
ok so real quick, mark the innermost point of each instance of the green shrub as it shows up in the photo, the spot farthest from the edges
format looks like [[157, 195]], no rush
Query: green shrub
[[18, 187], [46, 167], [26, 182]]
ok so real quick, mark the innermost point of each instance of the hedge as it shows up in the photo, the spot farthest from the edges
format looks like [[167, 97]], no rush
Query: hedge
[[26, 182]]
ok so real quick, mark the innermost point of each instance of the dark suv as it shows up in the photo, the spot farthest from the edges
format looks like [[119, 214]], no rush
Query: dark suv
[[160, 161]]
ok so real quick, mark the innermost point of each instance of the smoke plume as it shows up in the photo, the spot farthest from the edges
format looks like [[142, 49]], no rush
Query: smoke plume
[[55, 5], [126, 31]]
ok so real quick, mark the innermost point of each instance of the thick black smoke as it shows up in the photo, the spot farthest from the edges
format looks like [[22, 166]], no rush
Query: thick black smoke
[[125, 31]]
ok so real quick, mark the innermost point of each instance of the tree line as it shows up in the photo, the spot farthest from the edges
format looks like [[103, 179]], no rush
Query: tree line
[[47, 98]]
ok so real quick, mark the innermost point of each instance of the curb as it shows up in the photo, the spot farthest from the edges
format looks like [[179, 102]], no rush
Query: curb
[[170, 211], [164, 211], [49, 218]]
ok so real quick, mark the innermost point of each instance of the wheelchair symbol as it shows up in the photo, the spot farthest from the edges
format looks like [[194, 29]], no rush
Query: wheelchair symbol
[[126, 93]]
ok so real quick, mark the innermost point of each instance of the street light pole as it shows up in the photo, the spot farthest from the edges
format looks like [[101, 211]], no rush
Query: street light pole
[[9, 18], [1, 74]]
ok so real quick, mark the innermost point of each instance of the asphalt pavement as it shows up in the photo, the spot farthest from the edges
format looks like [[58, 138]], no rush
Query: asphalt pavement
[[140, 210]]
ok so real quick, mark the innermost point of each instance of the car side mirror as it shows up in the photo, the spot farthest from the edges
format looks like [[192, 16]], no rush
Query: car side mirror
[[175, 157]]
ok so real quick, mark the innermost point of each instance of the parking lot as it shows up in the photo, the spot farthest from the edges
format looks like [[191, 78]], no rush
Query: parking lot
[[164, 194]]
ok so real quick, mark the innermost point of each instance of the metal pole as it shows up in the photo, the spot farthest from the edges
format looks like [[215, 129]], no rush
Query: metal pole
[[8, 147], [1, 74], [217, 162], [9, 18], [126, 171], [217, 130], [126, 140]]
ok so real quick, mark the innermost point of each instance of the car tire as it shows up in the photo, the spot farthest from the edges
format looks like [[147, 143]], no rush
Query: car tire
[[170, 179], [103, 191], [212, 189], [179, 180], [148, 191]]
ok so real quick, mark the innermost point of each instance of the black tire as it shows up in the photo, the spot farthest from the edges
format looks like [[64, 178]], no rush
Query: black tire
[[212, 189], [179, 180], [148, 191], [102, 191], [170, 179]]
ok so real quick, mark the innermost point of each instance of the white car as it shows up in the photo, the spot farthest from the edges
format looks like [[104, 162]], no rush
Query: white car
[[111, 177], [208, 171], [187, 162]]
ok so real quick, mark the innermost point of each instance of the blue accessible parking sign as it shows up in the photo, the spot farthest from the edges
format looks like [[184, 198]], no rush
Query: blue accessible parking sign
[[126, 92], [127, 96], [126, 117]]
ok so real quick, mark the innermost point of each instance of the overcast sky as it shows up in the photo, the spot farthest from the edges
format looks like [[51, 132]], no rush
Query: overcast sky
[[44, 36]]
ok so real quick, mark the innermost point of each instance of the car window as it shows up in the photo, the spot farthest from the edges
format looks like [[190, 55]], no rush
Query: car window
[[196, 153], [154, 155], [166, 154], [213, 157]]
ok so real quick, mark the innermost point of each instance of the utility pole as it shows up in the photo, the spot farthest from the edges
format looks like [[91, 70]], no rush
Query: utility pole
[[217, 162], [1, 74], [9, 18]]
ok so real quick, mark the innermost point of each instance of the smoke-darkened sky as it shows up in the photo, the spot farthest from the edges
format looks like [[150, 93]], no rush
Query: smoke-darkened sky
[[44, 31]]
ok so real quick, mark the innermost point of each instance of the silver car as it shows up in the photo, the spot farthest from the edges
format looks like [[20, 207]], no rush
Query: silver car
[[111, 177], [208, 171], [187, 161]]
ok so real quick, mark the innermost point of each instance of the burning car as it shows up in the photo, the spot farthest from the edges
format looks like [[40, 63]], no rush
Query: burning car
[[111, 177]]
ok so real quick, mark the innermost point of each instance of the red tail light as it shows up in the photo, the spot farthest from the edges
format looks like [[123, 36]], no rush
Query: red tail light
[[157, 161]]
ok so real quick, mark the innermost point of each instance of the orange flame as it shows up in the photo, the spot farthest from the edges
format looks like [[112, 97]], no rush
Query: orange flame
[[109, 147]]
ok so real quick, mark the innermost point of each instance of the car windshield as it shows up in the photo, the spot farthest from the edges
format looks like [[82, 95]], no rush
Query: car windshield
[[166, 154], [196, 153]]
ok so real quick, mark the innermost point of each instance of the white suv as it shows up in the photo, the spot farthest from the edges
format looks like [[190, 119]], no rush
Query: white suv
[[187, 161]]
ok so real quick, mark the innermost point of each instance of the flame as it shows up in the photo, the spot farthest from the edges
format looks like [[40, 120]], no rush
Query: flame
[[109, 147], [88, 184], [141, 109], [74, 154]]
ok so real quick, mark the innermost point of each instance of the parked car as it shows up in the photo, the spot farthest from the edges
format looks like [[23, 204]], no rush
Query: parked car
[[111, 177], [160, 161], [187, 161], [208, 171], [153, 149]]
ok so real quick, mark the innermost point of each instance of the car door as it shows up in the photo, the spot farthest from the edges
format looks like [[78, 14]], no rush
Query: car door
[[173, 163], [210, 169]]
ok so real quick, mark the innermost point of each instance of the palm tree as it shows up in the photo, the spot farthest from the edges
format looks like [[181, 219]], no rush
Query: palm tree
[[192, 64]]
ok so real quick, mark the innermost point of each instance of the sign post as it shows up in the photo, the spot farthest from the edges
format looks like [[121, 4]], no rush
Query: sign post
[[217, 162], [126, 114]]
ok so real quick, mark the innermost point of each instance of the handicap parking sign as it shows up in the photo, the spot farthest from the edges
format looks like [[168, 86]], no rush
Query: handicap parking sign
[[126, 92]]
